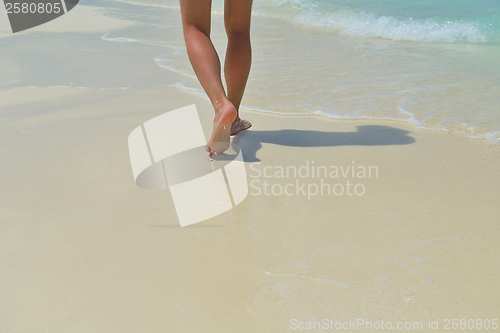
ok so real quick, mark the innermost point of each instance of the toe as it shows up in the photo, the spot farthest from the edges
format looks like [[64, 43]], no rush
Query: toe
[[241, 125]]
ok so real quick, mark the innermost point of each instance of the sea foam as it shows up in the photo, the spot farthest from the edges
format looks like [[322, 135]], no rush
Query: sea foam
[[369, 25]]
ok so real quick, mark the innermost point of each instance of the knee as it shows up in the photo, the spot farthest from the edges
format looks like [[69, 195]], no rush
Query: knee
[[190, 29], [236, 34], [236, 28]]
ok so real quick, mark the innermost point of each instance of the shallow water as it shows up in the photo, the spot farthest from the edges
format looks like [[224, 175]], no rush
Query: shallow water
[[430, 64]]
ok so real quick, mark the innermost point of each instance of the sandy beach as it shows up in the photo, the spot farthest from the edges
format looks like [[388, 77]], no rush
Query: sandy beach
[[84, 249]]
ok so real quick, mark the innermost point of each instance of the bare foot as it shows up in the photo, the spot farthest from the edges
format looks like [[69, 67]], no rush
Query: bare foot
[[220, 140], [240, 125]]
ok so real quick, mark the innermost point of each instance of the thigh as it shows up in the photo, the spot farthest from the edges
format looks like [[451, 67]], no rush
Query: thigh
[[237, 15], [196, 13]]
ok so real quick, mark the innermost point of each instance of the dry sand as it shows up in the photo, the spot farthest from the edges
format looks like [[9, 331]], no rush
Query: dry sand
[[83, 249]]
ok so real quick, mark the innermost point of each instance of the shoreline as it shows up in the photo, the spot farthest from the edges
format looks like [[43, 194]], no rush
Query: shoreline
[[400, 110], [108, 24]]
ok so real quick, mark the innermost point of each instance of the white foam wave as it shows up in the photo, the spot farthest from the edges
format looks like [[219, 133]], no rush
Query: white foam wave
[[105, 36], [165, 62], [197, 91], [370, 25], [492, 137]]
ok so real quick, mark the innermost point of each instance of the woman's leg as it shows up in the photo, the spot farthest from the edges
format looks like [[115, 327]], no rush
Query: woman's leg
[[237, 15], [206, 64]]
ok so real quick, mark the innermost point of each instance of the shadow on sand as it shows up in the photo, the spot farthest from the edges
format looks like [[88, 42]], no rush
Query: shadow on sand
[[368, 135]]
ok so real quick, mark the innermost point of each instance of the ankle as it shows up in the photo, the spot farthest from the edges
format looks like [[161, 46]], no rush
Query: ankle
[[220, 105]]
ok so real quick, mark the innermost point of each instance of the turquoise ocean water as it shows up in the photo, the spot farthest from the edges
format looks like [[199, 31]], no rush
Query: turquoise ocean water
[[433, 64]]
